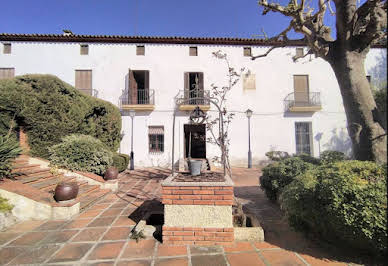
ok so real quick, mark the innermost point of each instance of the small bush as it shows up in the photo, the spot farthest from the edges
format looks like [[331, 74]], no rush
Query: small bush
[[308, 158], [279, 174], [82, 153], [345, 202], [4, 205], [332, 157], [9, 150], [120, 161], [277, 155]]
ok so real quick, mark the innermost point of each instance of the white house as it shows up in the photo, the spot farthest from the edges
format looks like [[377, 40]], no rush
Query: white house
[[297, 107]]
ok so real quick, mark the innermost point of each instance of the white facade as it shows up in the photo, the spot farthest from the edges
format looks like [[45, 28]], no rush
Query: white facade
[[271, 127]]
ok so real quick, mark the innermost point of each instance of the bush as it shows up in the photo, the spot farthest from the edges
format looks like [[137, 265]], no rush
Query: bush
[[277, 155], [4, 205], [50, 109], [9, 150], [308, 158], [82, 153], [332, 156], [344, 202], [279, 174], [120, 161]]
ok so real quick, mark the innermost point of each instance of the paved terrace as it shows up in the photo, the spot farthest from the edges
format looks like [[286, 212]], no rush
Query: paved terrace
[[99, 235]]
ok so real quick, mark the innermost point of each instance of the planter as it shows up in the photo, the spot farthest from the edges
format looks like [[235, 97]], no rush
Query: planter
[[111, 173], [66, 191], [195, 167]]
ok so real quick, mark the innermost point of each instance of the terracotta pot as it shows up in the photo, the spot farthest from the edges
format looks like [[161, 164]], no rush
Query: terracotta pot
[[66, 191], [111, 173]]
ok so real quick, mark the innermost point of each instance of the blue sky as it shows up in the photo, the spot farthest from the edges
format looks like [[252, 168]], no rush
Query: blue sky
[[200, 18]]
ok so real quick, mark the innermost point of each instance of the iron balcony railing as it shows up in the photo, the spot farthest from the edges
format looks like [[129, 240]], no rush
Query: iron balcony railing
[[140, 97], [90, 92], [296, 99], [193, 97]]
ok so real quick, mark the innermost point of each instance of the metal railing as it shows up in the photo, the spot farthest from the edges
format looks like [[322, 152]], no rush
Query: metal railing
[[193, 97], [91, 92], [296, 99], [140, 97]]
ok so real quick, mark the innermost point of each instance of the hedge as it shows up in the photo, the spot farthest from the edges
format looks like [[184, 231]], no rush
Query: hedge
[[345, 202], [50, 109], [120, 161]]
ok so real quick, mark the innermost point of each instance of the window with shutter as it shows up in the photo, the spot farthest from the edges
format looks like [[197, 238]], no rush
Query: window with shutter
[[140, 50], [303, 137], [299, 52], [247, 51], [193, 51], [83, 81], [156, 139], [6, 48], [194, 87], [84, 49], [6, 73], [301, 90]]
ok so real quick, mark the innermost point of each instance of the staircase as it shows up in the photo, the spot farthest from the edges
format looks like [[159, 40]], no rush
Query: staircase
[[44, 181]]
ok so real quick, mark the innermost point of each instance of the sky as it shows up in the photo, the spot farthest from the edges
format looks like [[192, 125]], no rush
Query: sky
[[187, 18]]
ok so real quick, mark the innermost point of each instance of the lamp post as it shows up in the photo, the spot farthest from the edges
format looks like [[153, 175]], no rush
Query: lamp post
[[132, 114], [249, 114]]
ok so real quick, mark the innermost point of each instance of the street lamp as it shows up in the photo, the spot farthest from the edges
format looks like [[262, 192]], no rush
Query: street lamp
[[249, 114], [132, 114]]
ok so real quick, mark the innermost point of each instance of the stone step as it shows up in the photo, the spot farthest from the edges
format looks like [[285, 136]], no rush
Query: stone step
[[36, 172], [91, 198], [24, 167], [48, 182], [33, 179], [41, 175], [86, 189]]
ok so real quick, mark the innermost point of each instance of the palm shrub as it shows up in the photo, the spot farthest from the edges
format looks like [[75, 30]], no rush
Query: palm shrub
[[82, 153], [344, 202], [9, 150]]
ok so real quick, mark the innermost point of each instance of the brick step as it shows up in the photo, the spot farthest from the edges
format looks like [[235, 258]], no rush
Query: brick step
[[51, 189], [87, 200], [35, 172], [33, 179], [24, 167], [86, 189], [48, 182], [20, 161], [41, 175]]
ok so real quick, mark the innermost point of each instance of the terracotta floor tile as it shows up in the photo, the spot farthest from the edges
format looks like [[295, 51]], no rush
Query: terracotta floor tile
[[281, 257], [90, 214], [5, 237], [213, 260], [106, 251], [106, 263], [120, 205], [320, 261], [9, 253], [117, 233], [28, 239], [135, 263], [264, 245], [172, 262], [142, 249], [51, 225], [71, 252], [100, 206], [244, 259], [36, 254], [166, 250], [25, 226], [239, 246], [58, 237], [111, 212], [124, 221], [105, 221], [89, 234], [194, 250], [75, 224]]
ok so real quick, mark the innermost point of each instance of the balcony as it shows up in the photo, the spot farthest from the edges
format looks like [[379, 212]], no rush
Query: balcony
[[189, 99], [303, 102], [90, 92], [140, 100]]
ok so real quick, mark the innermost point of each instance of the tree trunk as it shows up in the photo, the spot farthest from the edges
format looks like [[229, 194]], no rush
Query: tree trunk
[[365, 130]]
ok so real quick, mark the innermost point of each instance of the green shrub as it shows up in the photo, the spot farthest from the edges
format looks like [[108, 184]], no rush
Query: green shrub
[[345, 202], [277, 155], [308, 158], [82, 153], [4, 205], [332, 156], [9, 150], [279, 174], [120, 161], [50, 109]]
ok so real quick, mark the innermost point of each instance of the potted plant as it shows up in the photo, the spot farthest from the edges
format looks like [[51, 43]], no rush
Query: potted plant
[[64, 190], [194, 165], [111, 173]]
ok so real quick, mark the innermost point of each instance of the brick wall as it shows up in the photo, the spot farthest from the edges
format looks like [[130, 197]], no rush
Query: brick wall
[[198, 195]]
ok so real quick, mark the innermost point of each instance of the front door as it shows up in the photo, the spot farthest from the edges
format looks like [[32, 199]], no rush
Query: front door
[[196, 136]]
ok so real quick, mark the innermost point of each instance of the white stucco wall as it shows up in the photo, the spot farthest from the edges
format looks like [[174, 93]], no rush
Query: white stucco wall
[[271, 127]]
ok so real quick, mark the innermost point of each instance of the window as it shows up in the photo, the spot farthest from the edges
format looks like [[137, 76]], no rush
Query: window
[[140, 50], [6, 73], [193, 51], [301, 90], [84, 49], [249, 81], [303, 137], [138, 87], [6, 48], [193, 87], [247, 51], [156, 139], [299, 52], [83, 81]]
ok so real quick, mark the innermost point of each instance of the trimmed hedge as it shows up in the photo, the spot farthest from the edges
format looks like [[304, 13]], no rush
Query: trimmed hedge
[[120, 161], [82, 153], [50, 109], [343, 202]]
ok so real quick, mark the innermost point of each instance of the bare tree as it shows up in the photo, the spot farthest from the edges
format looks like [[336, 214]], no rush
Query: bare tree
[[358, 27]]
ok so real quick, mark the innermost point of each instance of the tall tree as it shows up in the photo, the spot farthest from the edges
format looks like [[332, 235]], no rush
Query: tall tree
[[357, 29]]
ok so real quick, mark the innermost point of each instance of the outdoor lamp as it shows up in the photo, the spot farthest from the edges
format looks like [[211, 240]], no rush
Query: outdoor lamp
[[132, 114], [249, 113]]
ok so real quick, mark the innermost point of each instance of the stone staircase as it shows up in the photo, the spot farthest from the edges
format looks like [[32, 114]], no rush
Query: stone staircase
[[44, 180]]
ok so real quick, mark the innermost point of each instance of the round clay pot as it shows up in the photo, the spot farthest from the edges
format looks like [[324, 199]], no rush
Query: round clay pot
[[111, 173], [66, 191]]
